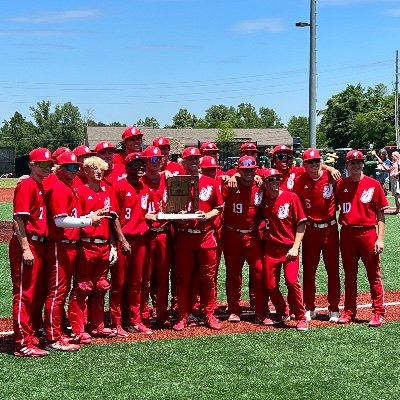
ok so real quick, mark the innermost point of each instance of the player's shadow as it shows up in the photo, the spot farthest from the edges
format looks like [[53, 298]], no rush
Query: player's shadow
[[7, 344]]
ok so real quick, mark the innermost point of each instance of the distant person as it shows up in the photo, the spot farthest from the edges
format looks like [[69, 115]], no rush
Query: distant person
[[132, 140], [394, 179]]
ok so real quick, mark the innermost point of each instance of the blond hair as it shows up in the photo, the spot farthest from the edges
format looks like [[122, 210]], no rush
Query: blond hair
[[95, 162]]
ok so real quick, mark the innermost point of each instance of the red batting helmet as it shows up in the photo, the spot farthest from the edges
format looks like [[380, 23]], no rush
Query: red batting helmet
[[311, 154], [248, 146], [66, 158], [151, 151], [131, 131], [104, 145], [161, 141], [247, 162], [268, 172], [83, 150], [133, 157], [208, 146], [191, 152], [40, 154], [208, 162], [281, 148], [59, 151]]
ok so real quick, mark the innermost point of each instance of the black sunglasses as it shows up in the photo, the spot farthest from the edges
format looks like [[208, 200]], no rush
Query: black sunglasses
[[283, 156], [274, 179], [314, 161]]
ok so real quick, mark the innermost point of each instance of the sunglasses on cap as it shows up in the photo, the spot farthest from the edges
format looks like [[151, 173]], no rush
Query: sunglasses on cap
[[44, 164], [313, 161], [71, 167], [247, 163], [274, 179], [284, 156], [154, 159]]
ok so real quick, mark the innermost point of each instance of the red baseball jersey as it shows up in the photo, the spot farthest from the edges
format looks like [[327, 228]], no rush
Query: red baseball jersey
[[62, 201], [317, 196], [91, 200], [159, 196], [131, 205], [360, 201], [49, 180], [210, 197], [117, 173], [289, 177], [233, 171], [119, 158], [242, 208], [78, 182], [29, 201], [282, 215], [175, 168]]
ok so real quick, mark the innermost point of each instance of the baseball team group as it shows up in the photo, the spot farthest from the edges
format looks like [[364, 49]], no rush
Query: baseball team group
[[89, 222]]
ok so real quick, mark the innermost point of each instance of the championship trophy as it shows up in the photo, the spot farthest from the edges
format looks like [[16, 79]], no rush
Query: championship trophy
[[183, 198]]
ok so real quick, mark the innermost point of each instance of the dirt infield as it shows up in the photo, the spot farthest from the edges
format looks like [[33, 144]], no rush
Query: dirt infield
[[5, 231], [6, 194], [245, 326]]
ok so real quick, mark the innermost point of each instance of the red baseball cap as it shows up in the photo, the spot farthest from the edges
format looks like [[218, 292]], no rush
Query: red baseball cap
[[59, 151], [268, 172], [83, 150], [311, 154], [40, 154], [355, 155], [104, 145], [208, 162], [191, 152], [133, 157], [281, 148], [248, 146], [208, 146], [67, 158], [151, 151], [131, 131], [247, 162], [161, 141]]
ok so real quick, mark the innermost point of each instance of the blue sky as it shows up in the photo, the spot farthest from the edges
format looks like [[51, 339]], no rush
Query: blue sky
[[125, 60]]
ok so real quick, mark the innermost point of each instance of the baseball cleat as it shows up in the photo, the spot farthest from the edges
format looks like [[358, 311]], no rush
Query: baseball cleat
[[139, 328], [334, 316], [346, 318], [180, 325], [234, 318], [63, 344], [302, 325], [310, 315], [30, 351], [120, 332], [81, 338], [103, 333], [212, 322], [376, 321]]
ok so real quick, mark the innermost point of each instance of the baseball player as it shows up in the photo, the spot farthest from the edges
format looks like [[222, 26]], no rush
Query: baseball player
[[240, 237], [64, 219], [164, 144], [132, 139], [283, 232], [211, 149], [81, 153], [196, 247], [92, 266], [246, 149], [131, 201], [159, 240], [362, 202], [316, 191], [115, 172], [26, 253]]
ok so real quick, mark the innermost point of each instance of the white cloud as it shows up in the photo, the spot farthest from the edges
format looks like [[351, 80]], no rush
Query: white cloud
[[262, 24], [61, 16], [393, 12]]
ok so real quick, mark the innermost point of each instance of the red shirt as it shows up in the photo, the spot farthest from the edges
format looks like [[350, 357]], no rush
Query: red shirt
[[282, 216], [119, 158], [117, 173], [62, 201], [49, 180], [159, 193], [91, 200], [78, 182], [242, 208], [233, 171], [175, 168], [360, 201], [317, 196], [289, 177], [131, 205], [29, 202], [210, 197]]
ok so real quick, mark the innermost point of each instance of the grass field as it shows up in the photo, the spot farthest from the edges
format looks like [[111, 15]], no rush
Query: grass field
[[338, 362], [8, 182]]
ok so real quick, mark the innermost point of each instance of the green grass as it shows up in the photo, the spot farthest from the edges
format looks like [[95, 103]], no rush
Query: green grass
[[6, 210], [352, 362], [8, 182]]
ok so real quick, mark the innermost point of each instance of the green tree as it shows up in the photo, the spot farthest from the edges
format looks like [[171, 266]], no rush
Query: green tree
[[149, 122], [225, 132], [298, 127], [219, 113], [268, 118], [184, 119], [246, 116]]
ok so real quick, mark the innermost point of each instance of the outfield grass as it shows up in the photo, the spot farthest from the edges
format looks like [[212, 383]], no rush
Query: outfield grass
[[341, 362], [6, 210], [8, 182]]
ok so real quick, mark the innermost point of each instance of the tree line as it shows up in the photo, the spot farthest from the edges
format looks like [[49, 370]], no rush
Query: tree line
[[355, 117]]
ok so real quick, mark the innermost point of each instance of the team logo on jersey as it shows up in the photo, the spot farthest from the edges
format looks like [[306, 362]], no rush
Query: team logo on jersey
[[205, 193], [90, 198], [107, 202], [143, 201], [345, 191], [305, 186], [258, 198], [366, 195], [128, 194], [283, 211], [328, 190], [290, 181]]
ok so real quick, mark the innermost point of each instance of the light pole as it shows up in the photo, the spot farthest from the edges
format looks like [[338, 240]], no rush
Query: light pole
[[312, 82]]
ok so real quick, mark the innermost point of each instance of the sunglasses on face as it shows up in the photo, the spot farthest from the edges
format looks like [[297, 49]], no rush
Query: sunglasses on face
[[247, 163], [274, 179], [283, 156], [45, 164], [154, 159], [310, 162], [71, 167]]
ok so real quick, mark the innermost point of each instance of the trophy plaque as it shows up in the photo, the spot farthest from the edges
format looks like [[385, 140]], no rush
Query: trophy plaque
[[183, 198]]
